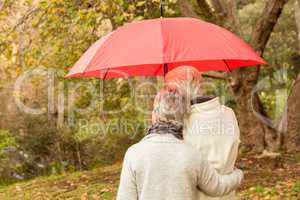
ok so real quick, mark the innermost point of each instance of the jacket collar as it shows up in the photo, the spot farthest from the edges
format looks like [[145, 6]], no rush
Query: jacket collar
[[164, 138], [211, 105]]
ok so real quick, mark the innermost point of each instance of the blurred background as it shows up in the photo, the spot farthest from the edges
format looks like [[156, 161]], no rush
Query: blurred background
[[51, 126]]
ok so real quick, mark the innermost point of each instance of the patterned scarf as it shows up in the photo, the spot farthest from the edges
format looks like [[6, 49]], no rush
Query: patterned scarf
[[167, 127]]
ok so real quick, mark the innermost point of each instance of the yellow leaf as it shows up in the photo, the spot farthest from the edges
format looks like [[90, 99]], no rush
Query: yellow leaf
[[84, 196], [95, 197], [140, 3]]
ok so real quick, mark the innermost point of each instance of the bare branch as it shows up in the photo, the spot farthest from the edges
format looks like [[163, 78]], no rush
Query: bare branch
[[265, 25], [187, 9], [297, 20], [206, 11], [226, 14], [233, 16], [218, 6], [219, 12], [23, 20], [203, 10], [216, 76]]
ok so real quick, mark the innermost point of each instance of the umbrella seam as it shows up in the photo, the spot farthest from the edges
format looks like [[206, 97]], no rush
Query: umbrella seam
[[223, 36], [227, 66], [107, 69], [105, 41], [162, 40]]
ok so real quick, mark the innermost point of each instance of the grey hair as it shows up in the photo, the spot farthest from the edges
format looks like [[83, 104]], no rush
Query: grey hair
[[189, 88], [169, 106]]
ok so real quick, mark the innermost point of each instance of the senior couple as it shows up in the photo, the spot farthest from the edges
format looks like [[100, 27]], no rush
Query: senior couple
[[189, 152]]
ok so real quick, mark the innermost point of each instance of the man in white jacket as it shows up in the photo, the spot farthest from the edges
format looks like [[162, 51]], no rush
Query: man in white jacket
[[211, 127]]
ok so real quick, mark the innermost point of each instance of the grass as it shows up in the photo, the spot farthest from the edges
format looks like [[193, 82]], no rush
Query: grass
[[262, 181], [100, 183]]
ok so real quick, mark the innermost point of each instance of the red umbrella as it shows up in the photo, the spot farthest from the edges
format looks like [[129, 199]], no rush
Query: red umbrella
[[153, 47]]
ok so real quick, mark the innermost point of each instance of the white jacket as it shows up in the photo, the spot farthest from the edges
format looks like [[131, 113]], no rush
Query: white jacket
[[213, 129], [162, 167]]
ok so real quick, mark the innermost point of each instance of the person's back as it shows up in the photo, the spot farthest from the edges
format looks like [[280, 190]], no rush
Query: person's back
[[212, 128], [162, 167]]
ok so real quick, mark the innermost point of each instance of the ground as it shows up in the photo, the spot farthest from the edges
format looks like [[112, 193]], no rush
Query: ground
[[265, 178]]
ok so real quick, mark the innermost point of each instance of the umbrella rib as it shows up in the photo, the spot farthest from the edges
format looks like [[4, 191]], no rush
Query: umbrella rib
[[162, 41], [105, 74], [165, 69], [105, 37], [227, 66]]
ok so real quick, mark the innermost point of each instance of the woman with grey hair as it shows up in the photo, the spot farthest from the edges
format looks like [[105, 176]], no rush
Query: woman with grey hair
[[162, 167]]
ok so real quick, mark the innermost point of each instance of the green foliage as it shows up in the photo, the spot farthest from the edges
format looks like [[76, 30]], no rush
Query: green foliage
[[6, 140], [223, 90], [265, 191], [102, 183], [7, 167], [54, 34], [296, 188]]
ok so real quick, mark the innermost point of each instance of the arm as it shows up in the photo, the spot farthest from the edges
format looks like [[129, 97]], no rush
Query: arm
[[234, 141], [214, 184], [235, 125], [127, 188], [235, 148]]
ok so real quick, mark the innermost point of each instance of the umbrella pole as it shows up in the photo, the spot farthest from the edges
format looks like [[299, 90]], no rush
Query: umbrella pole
[[165, 69], [104, 81], [161, 8]]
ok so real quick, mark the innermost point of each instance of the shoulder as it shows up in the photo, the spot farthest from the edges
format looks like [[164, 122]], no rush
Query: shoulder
[[228, 111], [133, 148], [231, 118], [136, 148], [131, 151]]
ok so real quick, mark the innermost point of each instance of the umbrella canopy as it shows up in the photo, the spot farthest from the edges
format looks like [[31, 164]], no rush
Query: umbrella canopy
[[154, 47]]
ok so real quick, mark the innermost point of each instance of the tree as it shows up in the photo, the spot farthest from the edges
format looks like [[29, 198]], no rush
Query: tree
[[53, 35], [292, 120], [290, 124]]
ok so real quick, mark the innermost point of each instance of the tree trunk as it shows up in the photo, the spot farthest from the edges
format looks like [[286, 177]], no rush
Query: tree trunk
[[252, 131], [291, 138], [297, 21], [290, 124], [78, 154], [187, 9], [255, 131], [60, 106]]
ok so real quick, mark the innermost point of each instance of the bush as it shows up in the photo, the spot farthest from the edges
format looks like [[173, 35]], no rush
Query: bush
[[8, 165]]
